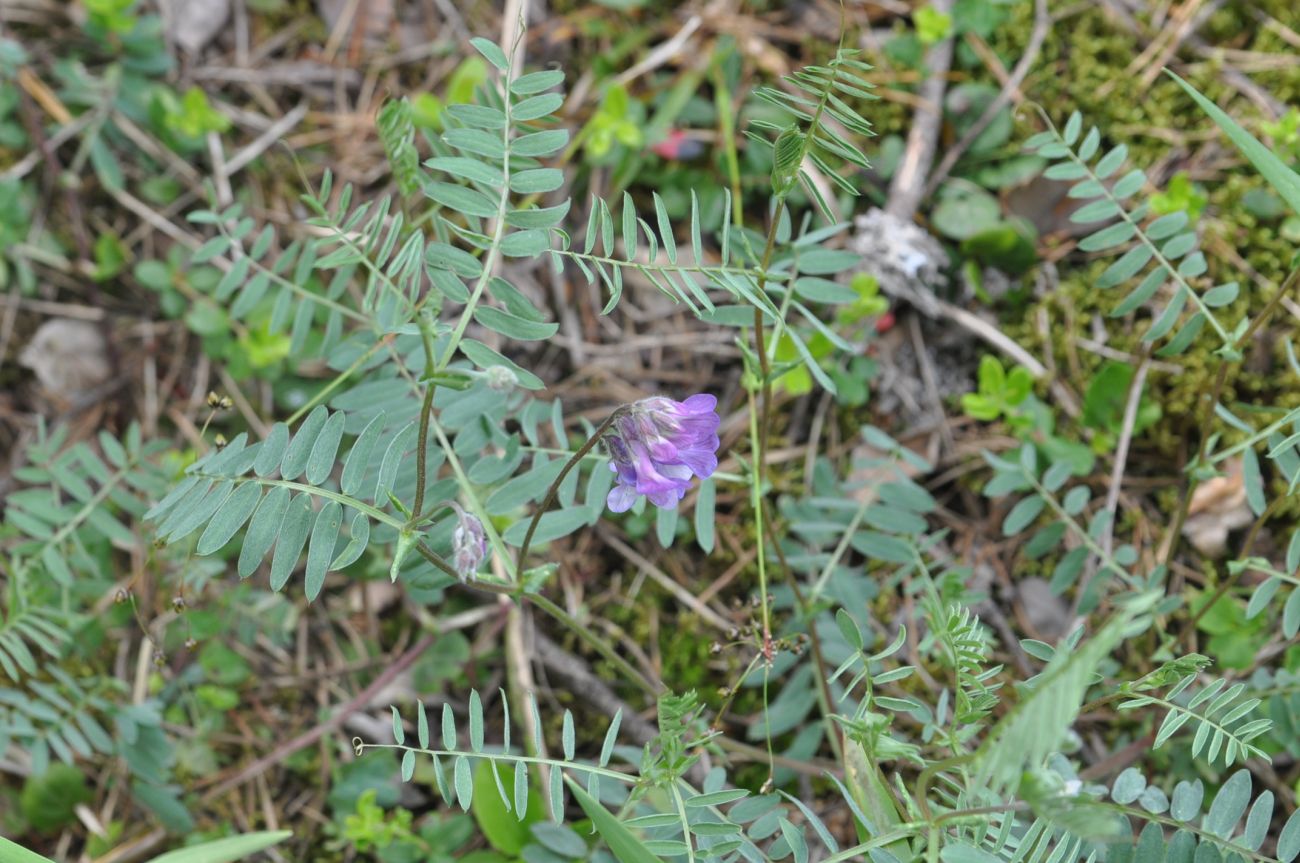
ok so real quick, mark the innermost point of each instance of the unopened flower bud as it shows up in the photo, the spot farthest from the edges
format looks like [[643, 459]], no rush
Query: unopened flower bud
[[122, 595], [178, 604], [468, 544], [501, 378]]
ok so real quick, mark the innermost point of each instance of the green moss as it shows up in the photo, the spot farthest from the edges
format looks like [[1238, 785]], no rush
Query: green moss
[[1084, 65]]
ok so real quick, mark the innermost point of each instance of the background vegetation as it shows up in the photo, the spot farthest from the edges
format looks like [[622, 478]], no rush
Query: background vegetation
[[999, 560]]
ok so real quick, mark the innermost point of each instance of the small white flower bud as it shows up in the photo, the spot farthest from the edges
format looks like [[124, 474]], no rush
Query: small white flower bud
[[501, 378]]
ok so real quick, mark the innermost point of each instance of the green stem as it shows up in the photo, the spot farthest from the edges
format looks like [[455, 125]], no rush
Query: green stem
[[1220, 380], [1246, 548], [426, 412], [433, 558], [756, 500], [824, 699], [927, 776], [329, 388], [433, 365], [726, 126], [594, 642], [360, 748], [316, 491], [462, 479], [686, 825], [551, 492]]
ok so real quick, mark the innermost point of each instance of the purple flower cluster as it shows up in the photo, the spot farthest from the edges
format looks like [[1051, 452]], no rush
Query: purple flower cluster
[[657, 445], [468, 544]]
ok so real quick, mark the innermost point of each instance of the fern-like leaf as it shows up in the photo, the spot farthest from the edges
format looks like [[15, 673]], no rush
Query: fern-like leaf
[[1223, 716], [1166, 248]]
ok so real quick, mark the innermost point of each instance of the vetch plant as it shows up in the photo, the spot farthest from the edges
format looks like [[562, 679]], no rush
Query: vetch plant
[[431, 452]]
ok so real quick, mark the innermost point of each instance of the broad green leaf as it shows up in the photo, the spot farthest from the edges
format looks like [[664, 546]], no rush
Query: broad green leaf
[[538, 217], [11, 852], [1229, 805], [536, 107], [463, 782], [527, 243], [468, 169], [870, 797], [1109, 237], [478, 116], [299, 450], [393, 457], [448, 257], [1283, 180], [324, 537], [229, 850], [501, 824], [794, 838], [230, 518], [1288, 841], [621, 841], [1253, 481], [358, 460], [536, 180], [491, 52], [192, 515], [540, 143], [705, 515], [461, 199], [476, 141], [262, 530], [514, 326], [551, 526], [485, 358], [1110, 163], [1022, 515], [293, 535], [320, 462], [536, 82]]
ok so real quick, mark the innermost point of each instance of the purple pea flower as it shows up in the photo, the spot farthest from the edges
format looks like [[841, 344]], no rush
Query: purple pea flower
[[468, 544], [657, 445]]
